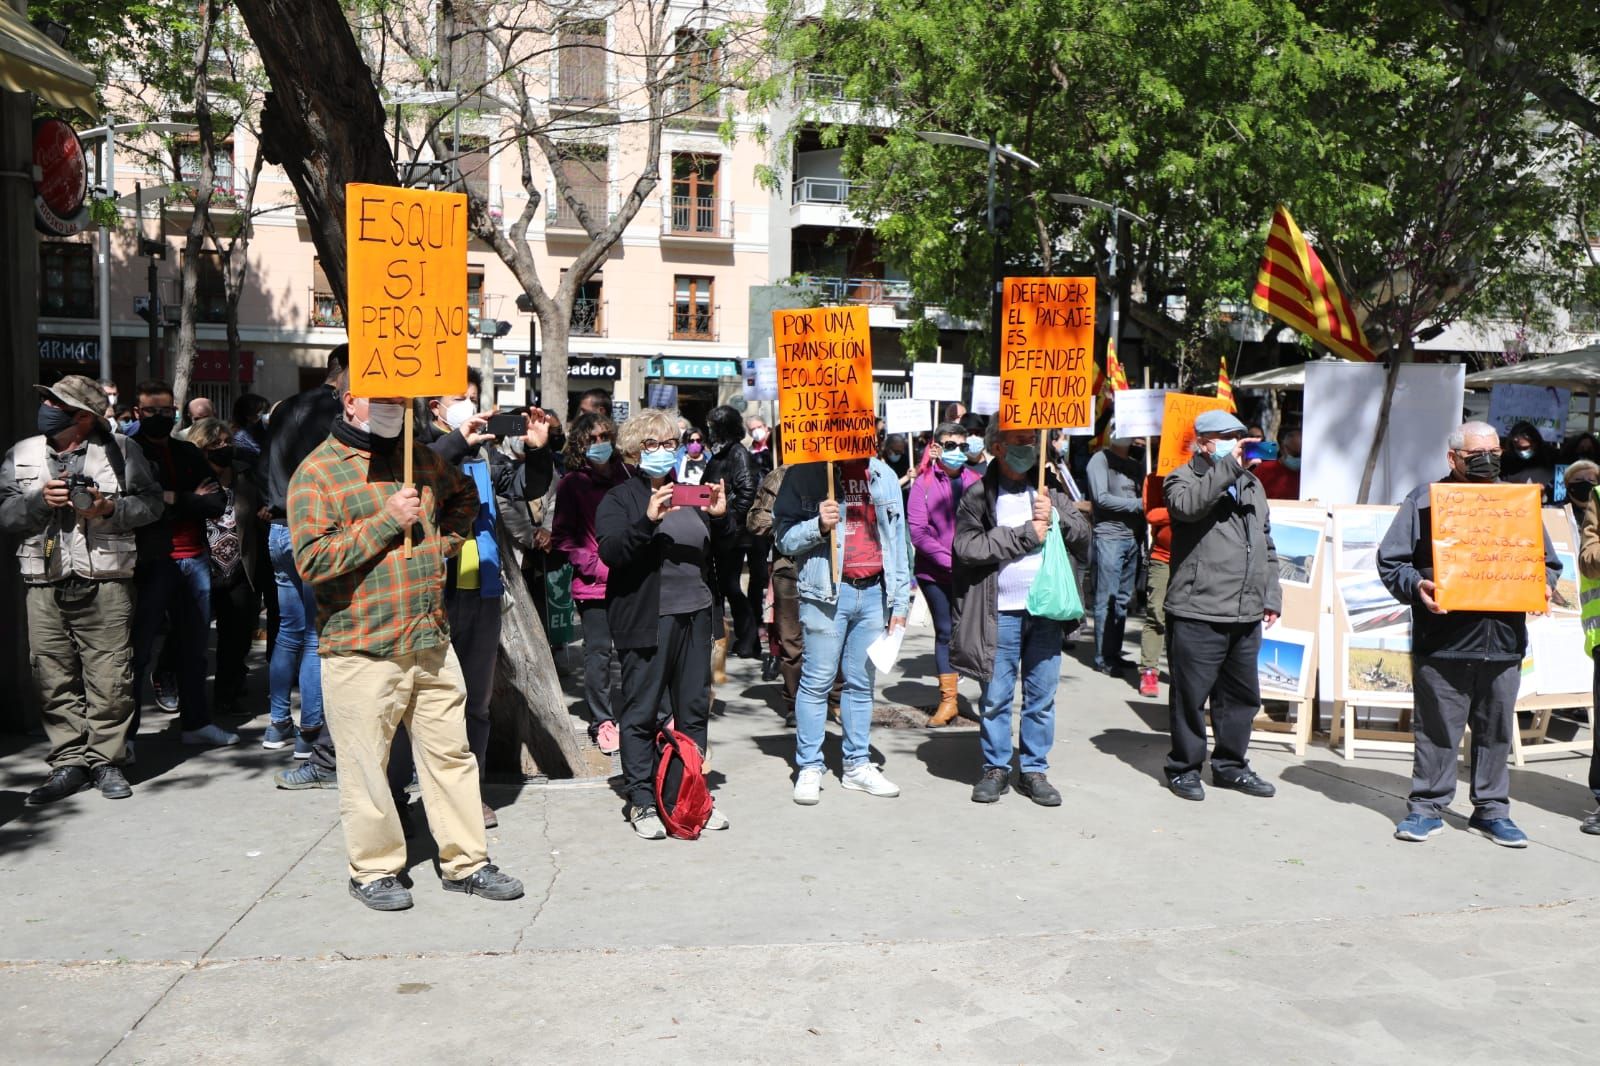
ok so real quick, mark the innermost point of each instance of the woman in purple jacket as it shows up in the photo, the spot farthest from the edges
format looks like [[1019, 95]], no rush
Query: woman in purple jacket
[[594, 470], [931, 515]]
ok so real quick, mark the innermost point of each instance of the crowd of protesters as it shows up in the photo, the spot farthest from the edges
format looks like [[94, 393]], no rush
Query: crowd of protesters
[[381, 598]]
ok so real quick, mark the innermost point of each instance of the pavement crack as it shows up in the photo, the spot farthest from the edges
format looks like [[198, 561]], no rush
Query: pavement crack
[[555, 874]]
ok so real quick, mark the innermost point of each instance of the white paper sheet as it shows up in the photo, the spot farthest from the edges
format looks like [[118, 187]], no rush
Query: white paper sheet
[[885, 651]]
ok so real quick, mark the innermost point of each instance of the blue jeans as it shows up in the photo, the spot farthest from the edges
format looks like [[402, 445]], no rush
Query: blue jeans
[[938, 598], [295, 654], [1116, 567], [1034, 644], [836, 637], [179, 591]]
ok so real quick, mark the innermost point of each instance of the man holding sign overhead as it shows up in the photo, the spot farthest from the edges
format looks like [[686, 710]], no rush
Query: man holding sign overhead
[[840, 517], [1471, 560]]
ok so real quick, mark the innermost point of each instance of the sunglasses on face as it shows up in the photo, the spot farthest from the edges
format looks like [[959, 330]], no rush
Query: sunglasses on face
[[599, 436]]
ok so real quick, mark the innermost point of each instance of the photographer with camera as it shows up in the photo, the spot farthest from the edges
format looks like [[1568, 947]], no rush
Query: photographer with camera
[[73, 495]]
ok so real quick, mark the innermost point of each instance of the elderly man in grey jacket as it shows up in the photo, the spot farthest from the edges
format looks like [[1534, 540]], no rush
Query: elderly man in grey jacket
[[1224, 584], [73, 496]]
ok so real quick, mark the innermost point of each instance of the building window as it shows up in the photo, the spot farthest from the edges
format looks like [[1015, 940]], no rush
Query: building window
[[695, 208], [471, 162], [325, 310], [587, 170], [693, 313], [210, 288], [695, 92], [588, 310], [463, 45], [581, 63], [66, 280]]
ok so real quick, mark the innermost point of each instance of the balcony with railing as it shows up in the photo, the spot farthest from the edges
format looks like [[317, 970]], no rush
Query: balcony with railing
[[325, 311], [870, 291], [560, 216], [588, 318], [696, 218], [694, 322], [810, 86], [830, 191]]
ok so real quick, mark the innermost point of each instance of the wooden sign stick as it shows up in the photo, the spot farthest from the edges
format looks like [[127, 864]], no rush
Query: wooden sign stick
[[406, 441], [1043, 460], [833, 558]]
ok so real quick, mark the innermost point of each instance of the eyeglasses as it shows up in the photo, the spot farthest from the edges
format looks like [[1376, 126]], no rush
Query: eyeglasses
[[652, 445], [1474, 454], [157, 412]]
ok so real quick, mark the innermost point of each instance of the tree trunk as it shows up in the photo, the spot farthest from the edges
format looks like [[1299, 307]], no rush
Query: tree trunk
[[530, 729], [553, 332], [194, 237], [323, 121]]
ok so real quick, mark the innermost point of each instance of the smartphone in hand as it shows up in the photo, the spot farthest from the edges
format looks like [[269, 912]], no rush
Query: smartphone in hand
[[1260, 449], [691, 495], [507, 424]]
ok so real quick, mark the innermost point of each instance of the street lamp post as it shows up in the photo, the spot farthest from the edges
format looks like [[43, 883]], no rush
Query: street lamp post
[[996, 153], [1114, 335]]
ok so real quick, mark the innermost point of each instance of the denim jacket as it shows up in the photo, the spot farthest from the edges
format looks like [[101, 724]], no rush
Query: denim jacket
[[798, 535]]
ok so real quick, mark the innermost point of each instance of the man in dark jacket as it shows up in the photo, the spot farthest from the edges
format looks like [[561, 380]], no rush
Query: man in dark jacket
[[174, 571], [1223, 585], [1465, 665], [1001, 524], [733, 465]]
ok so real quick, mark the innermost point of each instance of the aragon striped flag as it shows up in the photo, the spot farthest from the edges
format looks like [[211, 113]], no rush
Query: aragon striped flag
[[1293, 287], [1107, 383], [1225, 385]]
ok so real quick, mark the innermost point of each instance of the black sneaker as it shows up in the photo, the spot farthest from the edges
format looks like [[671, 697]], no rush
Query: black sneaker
[[165, 687], [384, 894], [486, 881], [109, 780], [1591, 824], [1038, 789], [63, 781], [1187, 785], [769, 668], [994, 783], [1247, 781]]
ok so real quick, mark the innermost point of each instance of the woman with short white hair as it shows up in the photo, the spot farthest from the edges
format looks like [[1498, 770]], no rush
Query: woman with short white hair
[[659, 605]]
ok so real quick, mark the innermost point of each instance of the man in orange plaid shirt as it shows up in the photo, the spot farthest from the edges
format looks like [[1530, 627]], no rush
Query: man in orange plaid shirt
[[384, 638]]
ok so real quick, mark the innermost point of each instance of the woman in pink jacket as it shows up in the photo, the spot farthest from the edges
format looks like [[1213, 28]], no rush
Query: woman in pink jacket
[[931, 516], [594, 468]]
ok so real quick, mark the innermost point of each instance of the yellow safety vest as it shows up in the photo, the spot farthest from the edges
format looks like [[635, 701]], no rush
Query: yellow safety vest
[[1589, 602]]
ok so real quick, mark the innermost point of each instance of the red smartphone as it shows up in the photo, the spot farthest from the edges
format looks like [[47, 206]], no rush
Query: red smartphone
[[691, 495]]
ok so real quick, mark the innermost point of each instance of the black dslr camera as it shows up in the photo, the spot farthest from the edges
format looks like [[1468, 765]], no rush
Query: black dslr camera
[[81, 490]]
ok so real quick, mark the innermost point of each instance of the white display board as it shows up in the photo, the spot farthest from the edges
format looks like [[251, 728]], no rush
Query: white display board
[[1546, 407], [1137, 413], [936, 381], [1341, 420], [907, 416], [985, 395]]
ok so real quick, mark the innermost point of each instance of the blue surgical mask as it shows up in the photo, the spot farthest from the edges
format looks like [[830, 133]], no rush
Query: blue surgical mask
[[599, 454], [1225, 448], [1020, 457], [1290, 462], [658, 463], [953, 461], [974, 445]]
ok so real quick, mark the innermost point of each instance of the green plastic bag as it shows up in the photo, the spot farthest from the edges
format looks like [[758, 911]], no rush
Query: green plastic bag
[[1055, 591]]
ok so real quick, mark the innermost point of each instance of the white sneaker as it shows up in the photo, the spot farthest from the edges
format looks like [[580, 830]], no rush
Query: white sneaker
[[869, 779], [647, 823], [808, 786], [211, 736], [718, 820]]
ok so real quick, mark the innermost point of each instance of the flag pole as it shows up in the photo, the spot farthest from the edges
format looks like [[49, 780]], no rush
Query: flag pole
[[833, 558], [406, 439]]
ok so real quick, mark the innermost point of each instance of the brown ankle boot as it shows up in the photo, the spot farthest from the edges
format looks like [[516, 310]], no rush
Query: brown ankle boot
[[719, 662], [947, 710]]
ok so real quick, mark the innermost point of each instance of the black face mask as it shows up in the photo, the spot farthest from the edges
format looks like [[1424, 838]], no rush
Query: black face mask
[[1482, 466], [157, 425], [1580, 491], [53, 421], [222, 457]]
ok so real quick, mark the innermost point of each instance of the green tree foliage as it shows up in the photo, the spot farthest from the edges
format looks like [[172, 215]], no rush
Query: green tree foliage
[[1414, 164]]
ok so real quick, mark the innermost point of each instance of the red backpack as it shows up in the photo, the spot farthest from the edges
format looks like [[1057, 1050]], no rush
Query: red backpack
[[682, 799]]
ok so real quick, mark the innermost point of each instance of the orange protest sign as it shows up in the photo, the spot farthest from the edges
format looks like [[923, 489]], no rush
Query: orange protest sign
[[826, 411], [407, 253], [1177, 427], [1488, 547], [1047, 353]]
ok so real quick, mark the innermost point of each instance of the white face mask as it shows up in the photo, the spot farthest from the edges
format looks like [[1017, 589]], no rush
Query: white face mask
[[758, 435], [385, 419], [456, 415]]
